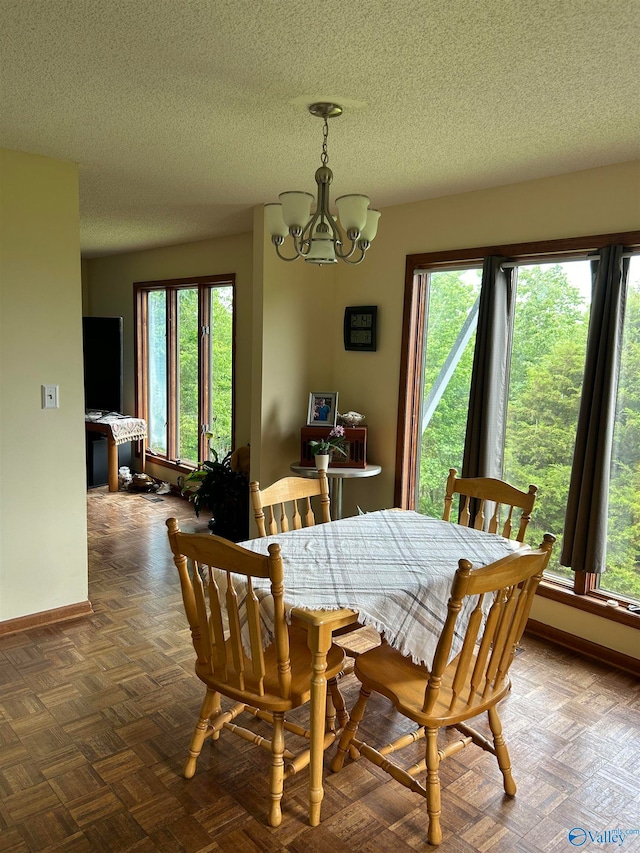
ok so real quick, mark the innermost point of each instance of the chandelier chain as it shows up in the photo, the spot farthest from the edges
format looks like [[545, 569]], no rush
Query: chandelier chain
[[324, 157]]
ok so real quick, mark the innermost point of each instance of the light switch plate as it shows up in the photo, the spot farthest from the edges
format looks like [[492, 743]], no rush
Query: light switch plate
[[50, 397]]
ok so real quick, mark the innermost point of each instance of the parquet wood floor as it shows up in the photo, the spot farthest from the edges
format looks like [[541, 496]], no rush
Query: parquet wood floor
[[96, 716]]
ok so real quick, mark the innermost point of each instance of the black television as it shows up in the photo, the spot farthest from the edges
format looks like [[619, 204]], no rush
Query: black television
[[102, 346]]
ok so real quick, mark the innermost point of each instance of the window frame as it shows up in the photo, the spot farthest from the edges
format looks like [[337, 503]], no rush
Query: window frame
[[171, 288], [584, 594]]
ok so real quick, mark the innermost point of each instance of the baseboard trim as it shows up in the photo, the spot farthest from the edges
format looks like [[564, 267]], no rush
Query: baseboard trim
[[45, 617], [583, 647]]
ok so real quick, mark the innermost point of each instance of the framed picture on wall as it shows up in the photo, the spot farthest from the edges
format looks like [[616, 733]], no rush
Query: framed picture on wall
[[323, 408], [360, 328]]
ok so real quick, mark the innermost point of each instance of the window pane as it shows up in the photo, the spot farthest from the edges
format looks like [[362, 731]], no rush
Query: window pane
[[157, 371], [547, 367], [221, 369], [450, 340], [187, 420], [622, 576]]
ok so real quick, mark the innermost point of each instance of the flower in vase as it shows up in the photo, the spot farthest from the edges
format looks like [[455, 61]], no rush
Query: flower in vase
[[334, 442]]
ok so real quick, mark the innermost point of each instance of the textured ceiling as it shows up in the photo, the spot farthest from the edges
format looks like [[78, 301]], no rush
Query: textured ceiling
[[183, 114]]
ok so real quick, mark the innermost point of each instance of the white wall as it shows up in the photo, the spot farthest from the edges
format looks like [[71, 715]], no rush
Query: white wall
[[43, 525]]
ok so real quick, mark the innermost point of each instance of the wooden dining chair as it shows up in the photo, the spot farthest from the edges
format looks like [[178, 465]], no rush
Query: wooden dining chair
[[454, 690], [288, 506], [231, 660], [496, 492], [288, 503]]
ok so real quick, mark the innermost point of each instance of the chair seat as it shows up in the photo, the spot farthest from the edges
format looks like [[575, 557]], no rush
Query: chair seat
[[301, 674], [387, 671]]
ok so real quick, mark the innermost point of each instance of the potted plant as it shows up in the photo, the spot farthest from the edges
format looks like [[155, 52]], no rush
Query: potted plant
[[225, 493], [324, 448]]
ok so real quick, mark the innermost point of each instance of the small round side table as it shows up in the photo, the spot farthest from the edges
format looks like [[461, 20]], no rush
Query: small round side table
[[336, 476]]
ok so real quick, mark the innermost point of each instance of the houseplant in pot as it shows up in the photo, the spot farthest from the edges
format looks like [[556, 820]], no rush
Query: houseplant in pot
[[324, 448], [216, 486]]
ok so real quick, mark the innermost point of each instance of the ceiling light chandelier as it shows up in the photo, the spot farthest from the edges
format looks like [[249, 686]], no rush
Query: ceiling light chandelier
[[317, 237]]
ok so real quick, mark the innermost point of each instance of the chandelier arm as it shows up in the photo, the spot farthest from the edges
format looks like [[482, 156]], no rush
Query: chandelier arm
[[302, 245], [358, 261], [338, 236], [308, 229], [283, 258], [344, 255], [322, 209]]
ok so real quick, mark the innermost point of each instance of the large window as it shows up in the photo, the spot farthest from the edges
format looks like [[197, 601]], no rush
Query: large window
[[551, 315], [450, 333], [551, 321], [185, 367], [622, 577]]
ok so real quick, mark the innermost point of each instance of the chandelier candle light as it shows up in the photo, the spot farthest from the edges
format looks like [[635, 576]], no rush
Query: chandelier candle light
[[317, 237]]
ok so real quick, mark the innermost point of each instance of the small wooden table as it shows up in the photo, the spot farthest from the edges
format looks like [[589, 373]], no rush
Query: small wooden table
[[106, 427], [336, 476]]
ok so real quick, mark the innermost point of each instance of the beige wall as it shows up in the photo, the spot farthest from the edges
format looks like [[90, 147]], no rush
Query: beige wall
[[43, 548], [84, 275], [110, 293], [588, 626], [293, 339]]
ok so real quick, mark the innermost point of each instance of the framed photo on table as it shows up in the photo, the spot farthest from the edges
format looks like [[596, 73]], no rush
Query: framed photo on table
[[323, 408]]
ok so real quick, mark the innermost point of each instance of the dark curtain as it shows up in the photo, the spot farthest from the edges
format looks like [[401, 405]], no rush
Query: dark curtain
[[585, 533], [484, 441]]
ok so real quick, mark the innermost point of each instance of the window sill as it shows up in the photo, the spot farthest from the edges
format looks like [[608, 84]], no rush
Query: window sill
[[179, 467], [588, 603]]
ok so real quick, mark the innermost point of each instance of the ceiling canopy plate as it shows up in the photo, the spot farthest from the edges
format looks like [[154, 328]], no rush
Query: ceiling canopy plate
[[325, 110]]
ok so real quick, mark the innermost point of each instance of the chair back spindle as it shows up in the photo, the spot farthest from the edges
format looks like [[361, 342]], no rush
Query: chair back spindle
[[491, 497], [286, 504], [216, 620]]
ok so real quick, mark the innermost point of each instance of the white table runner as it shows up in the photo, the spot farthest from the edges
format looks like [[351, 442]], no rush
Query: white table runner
[[122, 428], [394, 567]]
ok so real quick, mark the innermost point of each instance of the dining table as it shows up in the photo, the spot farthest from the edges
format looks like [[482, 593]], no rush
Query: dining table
[[391, 570]]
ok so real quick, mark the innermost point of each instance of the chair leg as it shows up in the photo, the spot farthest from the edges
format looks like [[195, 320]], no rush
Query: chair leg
[[434, 833], [210, 704], [330, 712], [350, 729], [276, 782], [502, 753], [216, 710], [335, 700]]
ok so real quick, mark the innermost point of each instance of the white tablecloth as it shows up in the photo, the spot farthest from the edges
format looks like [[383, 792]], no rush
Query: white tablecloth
[[394, 567]]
